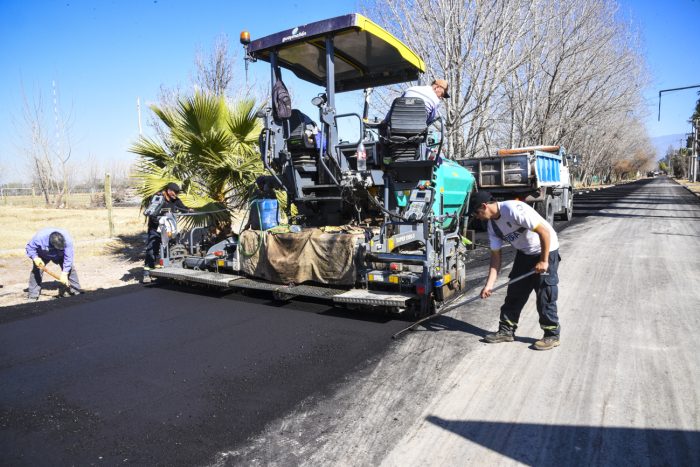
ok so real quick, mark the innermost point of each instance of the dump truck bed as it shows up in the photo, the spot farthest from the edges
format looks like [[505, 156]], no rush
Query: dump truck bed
[[526, 168]]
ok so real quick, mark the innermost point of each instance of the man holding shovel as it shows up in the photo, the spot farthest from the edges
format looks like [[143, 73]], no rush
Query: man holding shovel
[[52, 244], [537, 248]]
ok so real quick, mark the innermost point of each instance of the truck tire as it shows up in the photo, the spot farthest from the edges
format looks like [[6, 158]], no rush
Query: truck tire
[[568, 212], [545, 209]]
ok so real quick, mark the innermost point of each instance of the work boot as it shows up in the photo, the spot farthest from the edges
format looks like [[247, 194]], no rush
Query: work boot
[[503, 335], [547, 342]]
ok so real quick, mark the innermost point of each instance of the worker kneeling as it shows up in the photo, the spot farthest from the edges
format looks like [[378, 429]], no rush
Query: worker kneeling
[[47, 245]]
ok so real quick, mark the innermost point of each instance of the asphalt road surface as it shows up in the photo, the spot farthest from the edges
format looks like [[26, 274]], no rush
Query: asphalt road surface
[[161, 377], [153, 376], [622, 389]]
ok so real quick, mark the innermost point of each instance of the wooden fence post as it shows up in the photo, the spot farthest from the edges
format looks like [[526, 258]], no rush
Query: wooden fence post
[[108, 203]]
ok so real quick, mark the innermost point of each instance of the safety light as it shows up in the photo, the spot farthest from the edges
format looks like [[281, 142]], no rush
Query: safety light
[[219, 253], [420, 289], [395, 266], [245, 37]]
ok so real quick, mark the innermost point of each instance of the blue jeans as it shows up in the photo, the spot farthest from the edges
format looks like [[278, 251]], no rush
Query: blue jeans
[[546, 288], [152, 247]]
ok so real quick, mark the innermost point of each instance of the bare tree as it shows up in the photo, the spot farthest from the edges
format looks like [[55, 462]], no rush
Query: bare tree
[[474, 45], [532, 72], [47, 151], [214, 71]]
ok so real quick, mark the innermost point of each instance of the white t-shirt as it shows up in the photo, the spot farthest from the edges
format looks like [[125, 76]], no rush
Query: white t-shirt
[[517, 223], [429, 97]]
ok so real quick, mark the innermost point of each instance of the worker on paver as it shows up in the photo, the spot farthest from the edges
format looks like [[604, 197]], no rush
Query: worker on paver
[[537, 248], [431, 95], [52, 244], [162, 202]]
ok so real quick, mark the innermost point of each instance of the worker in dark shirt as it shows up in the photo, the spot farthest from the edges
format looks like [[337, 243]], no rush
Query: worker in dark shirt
[[171, 203]]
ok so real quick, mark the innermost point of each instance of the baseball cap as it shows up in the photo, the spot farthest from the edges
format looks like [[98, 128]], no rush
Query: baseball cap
[[477, 199]]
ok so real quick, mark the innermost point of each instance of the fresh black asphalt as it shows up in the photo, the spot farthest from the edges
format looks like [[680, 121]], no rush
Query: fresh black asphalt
[[161, 376]]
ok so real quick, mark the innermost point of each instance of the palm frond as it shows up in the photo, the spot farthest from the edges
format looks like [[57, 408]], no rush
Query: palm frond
[[211, 152]]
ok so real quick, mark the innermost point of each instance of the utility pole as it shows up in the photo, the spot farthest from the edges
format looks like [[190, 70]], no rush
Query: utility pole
[[689, 157]]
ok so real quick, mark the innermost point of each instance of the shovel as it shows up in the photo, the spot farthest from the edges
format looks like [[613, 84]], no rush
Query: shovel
[[457, 303], [58, 278]]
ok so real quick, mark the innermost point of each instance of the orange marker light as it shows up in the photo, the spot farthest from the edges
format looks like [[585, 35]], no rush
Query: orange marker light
[[245, 37]]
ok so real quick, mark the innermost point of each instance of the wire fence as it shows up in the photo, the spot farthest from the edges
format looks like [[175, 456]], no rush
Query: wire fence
[[76, 198]]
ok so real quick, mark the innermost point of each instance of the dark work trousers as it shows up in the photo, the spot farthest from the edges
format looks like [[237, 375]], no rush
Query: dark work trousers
[[36, 278], [152, 247], [547, 290]]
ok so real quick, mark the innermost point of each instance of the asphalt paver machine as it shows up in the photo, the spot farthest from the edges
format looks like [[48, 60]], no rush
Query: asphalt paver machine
[[377, 222]]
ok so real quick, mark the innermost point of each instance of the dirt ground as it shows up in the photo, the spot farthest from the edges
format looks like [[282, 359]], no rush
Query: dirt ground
[[101, 262], [95, 272]]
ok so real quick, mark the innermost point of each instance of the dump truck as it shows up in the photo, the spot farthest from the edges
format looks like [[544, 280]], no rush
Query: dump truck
[[537, 175], [371, 223]]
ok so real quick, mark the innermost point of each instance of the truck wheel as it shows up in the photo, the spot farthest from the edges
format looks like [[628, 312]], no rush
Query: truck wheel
[[545, 209], [568, 212]]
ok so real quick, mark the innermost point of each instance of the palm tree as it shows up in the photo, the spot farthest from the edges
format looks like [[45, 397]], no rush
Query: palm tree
[[209, 148]]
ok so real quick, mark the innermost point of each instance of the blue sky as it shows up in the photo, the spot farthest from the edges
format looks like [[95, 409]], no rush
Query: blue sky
[[105, 54], [670, 33]]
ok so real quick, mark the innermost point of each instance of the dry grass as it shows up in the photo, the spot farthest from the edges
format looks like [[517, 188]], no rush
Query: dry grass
[[88, 227], [73, 200]]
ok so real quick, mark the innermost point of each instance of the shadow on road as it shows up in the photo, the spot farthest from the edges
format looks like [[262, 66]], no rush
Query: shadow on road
[[543, 445], [448, 323], [132, 274], [128, 247]]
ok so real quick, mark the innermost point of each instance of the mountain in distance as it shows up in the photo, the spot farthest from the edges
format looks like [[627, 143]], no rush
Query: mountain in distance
[[661, 143]]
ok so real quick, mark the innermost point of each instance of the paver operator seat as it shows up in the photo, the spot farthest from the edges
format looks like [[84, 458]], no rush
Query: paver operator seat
[[406, 129]]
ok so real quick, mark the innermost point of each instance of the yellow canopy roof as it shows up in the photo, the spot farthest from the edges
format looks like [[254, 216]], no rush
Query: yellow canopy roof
[[366, 55]]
